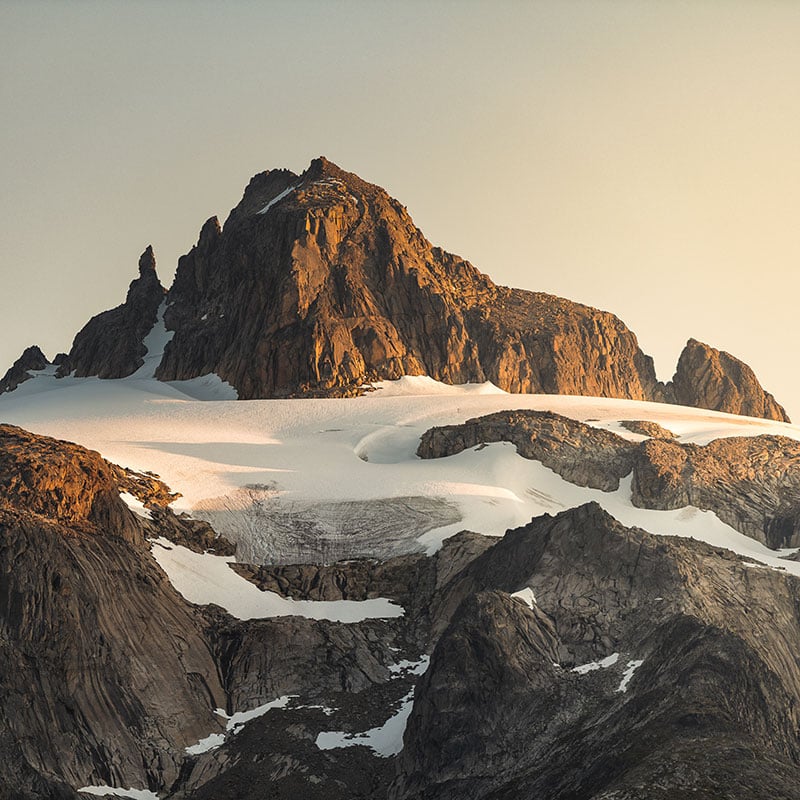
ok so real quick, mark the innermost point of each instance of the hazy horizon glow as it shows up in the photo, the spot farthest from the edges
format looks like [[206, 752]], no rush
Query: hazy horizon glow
[[639, 157]]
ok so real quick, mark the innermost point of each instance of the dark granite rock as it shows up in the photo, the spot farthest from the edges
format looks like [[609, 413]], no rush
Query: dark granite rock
[[31, 360], [107, 675]]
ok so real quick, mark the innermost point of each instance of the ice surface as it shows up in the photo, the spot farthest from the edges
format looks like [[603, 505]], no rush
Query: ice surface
[[309, 459]]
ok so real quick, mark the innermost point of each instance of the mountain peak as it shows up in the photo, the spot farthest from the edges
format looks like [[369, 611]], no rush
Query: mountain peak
[[320, 283], [147, 262], [709, 378]]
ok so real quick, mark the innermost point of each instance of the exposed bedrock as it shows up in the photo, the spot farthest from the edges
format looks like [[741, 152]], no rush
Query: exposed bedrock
[[320, 283], [332, 286], [31, 360], [750, 483], [690, 675], [111, 345], [710, 378], [107, 674]]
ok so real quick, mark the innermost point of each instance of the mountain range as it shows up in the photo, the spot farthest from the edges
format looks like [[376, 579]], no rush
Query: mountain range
[[319, 284], [335, 516]]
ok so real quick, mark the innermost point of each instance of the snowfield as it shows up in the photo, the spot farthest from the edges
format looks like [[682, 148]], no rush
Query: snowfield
[[321, 480]]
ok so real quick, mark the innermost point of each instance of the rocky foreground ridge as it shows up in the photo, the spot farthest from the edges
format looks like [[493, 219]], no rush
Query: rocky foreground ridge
[[320, 283], [572, 658]]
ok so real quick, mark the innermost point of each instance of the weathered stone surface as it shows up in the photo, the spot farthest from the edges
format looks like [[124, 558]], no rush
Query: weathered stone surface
[[320, 283], [333, 286], [581, 454], [646, 428], [110, 344], [107, 674], [494, 717], [751, 483], [709, 378], [126, 673], [63, 482], [31, 360]]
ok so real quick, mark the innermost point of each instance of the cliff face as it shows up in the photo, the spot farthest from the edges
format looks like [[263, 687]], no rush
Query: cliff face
[[320, 283], [637, 672], [574, 657], [106, 673]]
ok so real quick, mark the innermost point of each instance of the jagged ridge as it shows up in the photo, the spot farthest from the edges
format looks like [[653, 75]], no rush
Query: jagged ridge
[[320, 283]]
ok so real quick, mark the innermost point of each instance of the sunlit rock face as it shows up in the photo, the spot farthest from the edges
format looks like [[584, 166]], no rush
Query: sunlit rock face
[[710, 378], [320, 282]]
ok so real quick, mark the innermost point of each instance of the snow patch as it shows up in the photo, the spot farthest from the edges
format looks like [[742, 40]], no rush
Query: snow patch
[[136, 505], [133, 794], [527, 596], [277, 199], [386, 740], [604, 663], [155, 342], [628, 674], [235, 724], [411, 667], [206, 387], [422, 385], [203, 579]]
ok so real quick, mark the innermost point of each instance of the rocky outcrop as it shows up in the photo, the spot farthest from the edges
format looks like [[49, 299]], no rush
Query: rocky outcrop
[[31, 360], [111, 345], [709, 378], [751, 483], [107, 674], [320, 282], [640, 661], [647, 428], [581, 454]]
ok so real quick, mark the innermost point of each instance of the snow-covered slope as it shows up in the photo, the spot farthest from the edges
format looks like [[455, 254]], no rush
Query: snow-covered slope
[[294, 480]]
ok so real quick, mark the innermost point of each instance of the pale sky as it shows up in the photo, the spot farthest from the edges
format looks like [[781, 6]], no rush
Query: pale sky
[[641, 157]]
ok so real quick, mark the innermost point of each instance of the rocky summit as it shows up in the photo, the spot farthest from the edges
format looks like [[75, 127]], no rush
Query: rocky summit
[[320, 284]]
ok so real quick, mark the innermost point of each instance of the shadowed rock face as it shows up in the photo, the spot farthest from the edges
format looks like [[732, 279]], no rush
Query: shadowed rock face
[[709, 378], [698, 685], [110, 344], [106, 673], [31, 360], [333, 286]]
